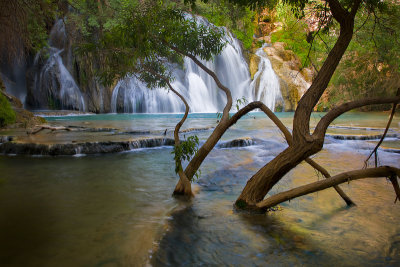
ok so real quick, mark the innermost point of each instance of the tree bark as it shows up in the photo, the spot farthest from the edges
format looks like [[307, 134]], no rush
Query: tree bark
[[301, 120]]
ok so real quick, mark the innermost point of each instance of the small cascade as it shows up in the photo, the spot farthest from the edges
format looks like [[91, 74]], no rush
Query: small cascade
[[265, 85], [53, 86]]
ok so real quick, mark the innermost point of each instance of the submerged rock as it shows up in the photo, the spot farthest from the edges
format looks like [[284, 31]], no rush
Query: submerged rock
[[82, 148]]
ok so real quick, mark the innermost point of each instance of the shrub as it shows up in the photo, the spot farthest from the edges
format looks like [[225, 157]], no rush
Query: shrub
[[7, 114]]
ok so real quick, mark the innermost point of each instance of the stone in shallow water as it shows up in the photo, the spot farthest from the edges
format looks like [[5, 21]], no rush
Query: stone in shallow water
[[240, 142]]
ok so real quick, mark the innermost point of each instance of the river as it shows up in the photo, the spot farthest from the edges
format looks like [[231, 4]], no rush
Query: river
[[117, 210]]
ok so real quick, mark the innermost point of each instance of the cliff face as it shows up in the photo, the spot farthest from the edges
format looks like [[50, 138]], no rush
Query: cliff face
[[294, 81]]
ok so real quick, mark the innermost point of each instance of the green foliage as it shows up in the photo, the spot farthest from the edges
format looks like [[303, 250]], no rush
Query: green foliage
[[7, 114], [24, 26], [238, 19], [185, 151], [240, 102], [146, 40], [219, 116], [371, 65], [294, 33]]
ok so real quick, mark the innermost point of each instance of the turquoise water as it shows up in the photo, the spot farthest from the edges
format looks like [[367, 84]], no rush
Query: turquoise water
[[117, 209]]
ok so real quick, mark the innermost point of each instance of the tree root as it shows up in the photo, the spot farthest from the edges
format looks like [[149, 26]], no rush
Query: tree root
[[47, 127]]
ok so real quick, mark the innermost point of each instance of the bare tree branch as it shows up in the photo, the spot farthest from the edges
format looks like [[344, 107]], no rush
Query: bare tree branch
[[48, 127], [228, 106], [384, 171], [183, 187], [383, 136]]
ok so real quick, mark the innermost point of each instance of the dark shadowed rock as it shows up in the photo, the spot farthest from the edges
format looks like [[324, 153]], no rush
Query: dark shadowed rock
[[82, 148]]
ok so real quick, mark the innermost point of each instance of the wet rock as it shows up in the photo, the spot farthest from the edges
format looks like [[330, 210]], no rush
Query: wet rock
[[359, 137], [294, 81], [253, 66], [240, 142], [5, 139]]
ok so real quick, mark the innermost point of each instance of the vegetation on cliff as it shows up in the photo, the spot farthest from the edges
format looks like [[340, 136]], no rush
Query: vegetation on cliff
[[370, 66], [7, 114]]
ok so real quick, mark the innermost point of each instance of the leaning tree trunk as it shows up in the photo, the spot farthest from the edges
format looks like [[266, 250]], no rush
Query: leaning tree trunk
[[304, 145]]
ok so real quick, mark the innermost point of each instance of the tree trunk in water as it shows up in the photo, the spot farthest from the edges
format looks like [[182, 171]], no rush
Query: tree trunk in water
[[262, 182], [304, 145]]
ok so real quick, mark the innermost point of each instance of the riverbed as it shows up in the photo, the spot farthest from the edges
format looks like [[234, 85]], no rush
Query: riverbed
[[117, 210]]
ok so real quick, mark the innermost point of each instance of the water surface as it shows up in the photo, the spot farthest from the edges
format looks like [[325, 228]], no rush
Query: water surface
[[117, 209]]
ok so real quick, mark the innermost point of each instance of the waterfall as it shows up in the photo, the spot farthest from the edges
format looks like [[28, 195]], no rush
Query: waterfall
[[53, 85], [55, 82], [265, 85], [199, 89], [133, 96]]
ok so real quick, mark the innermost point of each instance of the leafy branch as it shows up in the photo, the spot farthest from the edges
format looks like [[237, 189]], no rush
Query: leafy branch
[[185, 151]]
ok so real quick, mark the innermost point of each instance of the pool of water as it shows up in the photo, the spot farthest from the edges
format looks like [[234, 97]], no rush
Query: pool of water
[[117, 209]]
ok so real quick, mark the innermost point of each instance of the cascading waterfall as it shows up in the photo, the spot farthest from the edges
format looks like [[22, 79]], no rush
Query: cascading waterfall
[[55, 87], [133, 96], [199, 89], [265, 85], [55, 75], [54, 82]]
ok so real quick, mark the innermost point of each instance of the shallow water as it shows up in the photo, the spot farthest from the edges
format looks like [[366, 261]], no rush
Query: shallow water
[[117, 209]]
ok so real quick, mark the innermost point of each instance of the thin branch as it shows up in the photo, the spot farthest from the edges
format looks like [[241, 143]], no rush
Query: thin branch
[[383, 136], [183, 186], [228, 106], [325, 173]]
